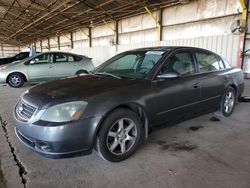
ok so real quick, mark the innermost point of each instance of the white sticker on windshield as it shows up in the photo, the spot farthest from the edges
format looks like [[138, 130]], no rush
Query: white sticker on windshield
[[155, 52]]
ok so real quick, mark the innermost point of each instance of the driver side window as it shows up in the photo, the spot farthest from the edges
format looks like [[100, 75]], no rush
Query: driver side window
[[181, 63]]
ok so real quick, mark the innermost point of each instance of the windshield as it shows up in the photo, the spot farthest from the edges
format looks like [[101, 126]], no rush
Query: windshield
[[131, 65]]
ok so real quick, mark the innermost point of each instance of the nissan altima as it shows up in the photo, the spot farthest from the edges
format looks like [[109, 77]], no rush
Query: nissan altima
[[113, 108]]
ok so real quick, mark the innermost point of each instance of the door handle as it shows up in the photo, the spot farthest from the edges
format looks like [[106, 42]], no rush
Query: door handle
[[196, 85]]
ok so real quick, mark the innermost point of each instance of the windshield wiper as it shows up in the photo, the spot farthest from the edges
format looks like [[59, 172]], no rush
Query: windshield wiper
[[107, 74]]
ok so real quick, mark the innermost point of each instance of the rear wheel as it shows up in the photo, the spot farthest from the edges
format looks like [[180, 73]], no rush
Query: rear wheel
[[119, 136], [16, 80], [228, 102], [81, 72]]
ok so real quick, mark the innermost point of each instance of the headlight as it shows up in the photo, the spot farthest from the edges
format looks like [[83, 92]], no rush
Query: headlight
[[70, 111]]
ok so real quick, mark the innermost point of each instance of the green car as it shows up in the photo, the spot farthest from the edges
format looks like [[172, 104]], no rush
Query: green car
[[44, 67]]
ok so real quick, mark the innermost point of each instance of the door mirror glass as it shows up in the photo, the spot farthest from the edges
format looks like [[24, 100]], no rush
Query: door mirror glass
[[32, 61], [168, 75]]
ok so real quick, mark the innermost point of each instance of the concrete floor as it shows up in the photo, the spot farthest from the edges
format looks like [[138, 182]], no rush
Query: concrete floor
[[196, 153]]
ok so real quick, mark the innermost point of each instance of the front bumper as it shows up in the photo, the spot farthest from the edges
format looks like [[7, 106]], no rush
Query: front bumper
[[67, 140], [3, 78]]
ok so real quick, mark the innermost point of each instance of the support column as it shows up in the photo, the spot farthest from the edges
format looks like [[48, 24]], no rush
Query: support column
[[157, 22], [116, 32], [71, 41], [159, 28], [2, 50], [58, 43], [48, 44], [41, 45], [244, 18], [90, 37]]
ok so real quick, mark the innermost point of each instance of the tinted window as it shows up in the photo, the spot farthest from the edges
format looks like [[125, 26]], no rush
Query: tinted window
[[208, 62], [62, 58], [181, 63]]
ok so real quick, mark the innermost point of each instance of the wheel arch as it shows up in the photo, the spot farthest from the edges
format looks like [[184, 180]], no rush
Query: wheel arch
[[81, 71], [24, 76], [136, 108]]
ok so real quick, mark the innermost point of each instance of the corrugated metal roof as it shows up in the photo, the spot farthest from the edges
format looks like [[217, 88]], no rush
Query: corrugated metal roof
[[25, 21]]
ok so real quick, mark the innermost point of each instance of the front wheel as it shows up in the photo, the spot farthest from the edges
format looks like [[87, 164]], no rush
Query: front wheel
[[119, 135], [228, 102], [16, 80]]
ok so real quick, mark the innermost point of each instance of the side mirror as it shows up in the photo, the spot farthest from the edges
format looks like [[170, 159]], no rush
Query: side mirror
[[32, 62], [168, 75]]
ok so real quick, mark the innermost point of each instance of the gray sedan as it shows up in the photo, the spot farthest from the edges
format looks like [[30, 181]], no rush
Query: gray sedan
[[44, 67]]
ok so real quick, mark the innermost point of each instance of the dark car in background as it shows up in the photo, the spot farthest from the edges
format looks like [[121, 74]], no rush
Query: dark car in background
[[113, 109], [17, 57]]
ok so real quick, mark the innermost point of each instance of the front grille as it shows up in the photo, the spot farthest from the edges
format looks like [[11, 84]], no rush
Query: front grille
[[24, 111]]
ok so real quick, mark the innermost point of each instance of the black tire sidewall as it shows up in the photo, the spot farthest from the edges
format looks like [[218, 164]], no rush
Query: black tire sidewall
[[222, 109], [21, 78], [105, 127]]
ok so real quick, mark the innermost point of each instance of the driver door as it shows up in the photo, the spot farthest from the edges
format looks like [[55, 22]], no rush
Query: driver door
[[176, 98], [39, 68]]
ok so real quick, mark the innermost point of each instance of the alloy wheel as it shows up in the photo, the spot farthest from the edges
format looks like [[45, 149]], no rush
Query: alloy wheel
[[229, 102], [15, 80], [121, 136]]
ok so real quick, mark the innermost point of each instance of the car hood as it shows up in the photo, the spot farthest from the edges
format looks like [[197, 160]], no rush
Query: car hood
[[74, 88]]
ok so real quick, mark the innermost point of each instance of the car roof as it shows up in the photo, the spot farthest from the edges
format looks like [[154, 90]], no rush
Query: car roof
[[168, 48], [49, 52]]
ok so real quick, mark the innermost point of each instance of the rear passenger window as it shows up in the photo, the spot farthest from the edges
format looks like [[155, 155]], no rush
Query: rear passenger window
[[181, 63], [63, 58], [208, 62]]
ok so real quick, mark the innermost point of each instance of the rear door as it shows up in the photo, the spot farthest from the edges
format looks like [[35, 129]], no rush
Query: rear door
[[176, 98], [212, 79], [64, 65]]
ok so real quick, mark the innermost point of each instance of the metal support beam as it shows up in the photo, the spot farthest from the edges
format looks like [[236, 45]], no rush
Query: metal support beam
[[244, 18], [2, 50], [34, 44], [58, 43], [116, 32], [41, 45], [158, 23], [71, 40], [108, 25], [90, 37], [159, 28], [48, 44]]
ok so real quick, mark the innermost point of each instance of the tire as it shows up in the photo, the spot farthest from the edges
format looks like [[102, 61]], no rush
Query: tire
[[81, 72], [228, 102], [119, 136], [16, 80]]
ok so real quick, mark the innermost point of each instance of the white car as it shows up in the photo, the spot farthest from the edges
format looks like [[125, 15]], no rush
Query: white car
[[44, 67]]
